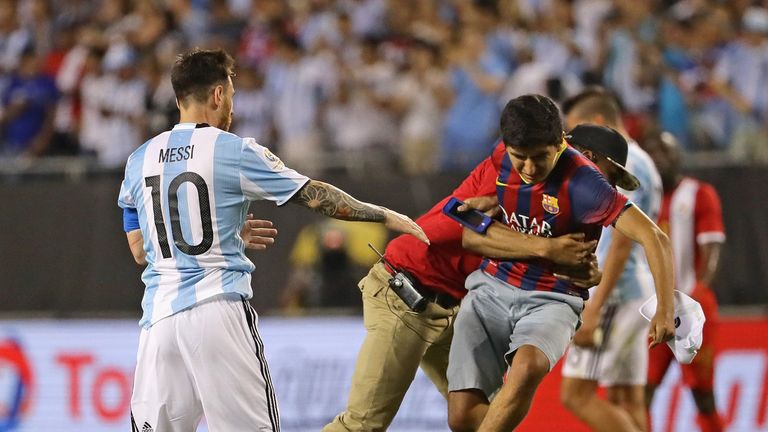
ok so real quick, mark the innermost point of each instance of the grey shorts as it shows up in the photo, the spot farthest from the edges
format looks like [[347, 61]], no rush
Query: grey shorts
[[495, 319]]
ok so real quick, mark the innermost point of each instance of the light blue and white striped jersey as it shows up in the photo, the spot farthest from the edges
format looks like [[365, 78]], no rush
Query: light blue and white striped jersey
[[636, 282], [191, 188]]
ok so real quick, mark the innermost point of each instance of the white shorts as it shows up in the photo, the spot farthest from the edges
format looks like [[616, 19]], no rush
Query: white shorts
[[622, 359], [208, 359]]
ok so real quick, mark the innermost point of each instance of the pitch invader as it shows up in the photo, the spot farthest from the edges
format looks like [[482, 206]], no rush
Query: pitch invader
[[518, 318]]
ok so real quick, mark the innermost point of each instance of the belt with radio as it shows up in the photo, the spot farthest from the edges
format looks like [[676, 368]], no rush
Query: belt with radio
[[405, 286]]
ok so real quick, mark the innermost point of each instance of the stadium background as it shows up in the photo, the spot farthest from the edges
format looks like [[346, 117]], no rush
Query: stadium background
[[373, 96]]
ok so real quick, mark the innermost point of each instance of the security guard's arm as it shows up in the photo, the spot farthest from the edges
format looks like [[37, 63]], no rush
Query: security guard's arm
[[574, 257], [502, 242], [257, 234]]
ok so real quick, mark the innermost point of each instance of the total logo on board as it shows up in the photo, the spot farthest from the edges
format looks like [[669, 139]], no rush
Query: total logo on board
[[16, 384]]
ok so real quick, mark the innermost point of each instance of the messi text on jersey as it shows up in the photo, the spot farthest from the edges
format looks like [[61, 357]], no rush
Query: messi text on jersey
[[176, 154]]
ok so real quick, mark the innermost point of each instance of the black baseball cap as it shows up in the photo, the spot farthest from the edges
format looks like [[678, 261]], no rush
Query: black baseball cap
[[608, 143]]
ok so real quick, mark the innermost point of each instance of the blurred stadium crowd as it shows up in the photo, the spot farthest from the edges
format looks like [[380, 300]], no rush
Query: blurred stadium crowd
[[352, 84]]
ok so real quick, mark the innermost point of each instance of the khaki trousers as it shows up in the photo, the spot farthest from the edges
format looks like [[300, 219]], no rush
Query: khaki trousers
[[397, 343]]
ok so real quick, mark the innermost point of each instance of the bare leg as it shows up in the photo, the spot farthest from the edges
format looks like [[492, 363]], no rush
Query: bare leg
[[466, 409], [580, 397], [631, 399], [511, 404]]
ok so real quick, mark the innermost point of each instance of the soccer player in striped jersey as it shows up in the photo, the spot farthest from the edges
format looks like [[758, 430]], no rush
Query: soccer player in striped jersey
[[399, 341], [692, 217], [619, 362], [517, 319], [185, 196]]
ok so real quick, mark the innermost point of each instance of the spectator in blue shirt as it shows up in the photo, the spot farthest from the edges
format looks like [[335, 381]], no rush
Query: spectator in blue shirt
[[471, 124], [26, 125]]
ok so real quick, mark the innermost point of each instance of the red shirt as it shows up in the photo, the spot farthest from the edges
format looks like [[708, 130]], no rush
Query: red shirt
[[444, 264], [574, 198], [691, 216]]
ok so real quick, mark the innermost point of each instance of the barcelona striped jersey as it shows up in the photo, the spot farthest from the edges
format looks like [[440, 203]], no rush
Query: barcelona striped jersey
[[189, 189], [574, 198]]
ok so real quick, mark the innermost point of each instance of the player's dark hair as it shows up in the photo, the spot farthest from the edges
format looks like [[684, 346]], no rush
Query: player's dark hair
[[594, 101], [531, 121], [196, 72]]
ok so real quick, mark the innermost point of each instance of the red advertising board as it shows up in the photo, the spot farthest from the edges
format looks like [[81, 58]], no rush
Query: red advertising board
[[741, 387]]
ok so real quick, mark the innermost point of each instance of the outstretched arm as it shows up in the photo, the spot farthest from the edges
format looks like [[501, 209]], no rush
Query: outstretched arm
[[634, 224], [331, 201], [328, 200], [613, 267]]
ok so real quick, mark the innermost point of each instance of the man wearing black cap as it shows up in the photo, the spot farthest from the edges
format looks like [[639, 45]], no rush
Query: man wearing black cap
[[607, 149], [610, 348], [518, 318]]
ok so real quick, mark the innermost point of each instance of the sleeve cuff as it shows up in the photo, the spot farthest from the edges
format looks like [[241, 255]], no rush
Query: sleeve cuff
[[621, 212], [301, 186], [710, 237]]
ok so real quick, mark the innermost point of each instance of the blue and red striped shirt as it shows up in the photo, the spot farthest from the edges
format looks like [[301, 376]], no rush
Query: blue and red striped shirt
[[574, 198], [444, 264]]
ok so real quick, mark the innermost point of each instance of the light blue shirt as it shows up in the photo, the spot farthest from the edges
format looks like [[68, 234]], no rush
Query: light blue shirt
[[636, 282], [191, 188], [471, 124]]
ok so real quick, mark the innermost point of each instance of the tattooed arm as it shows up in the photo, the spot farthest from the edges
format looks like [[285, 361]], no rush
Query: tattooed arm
[[331, 201]]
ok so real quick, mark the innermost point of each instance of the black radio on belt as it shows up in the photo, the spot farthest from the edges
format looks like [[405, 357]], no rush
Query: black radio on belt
[[402, 284]]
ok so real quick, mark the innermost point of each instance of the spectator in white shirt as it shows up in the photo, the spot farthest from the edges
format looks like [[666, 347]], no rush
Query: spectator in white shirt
[[298, 84], [93, 93], [124, 107], [418, 97]]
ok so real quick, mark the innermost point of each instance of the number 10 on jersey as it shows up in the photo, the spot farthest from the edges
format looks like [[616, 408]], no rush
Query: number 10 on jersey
[[154, 182]]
